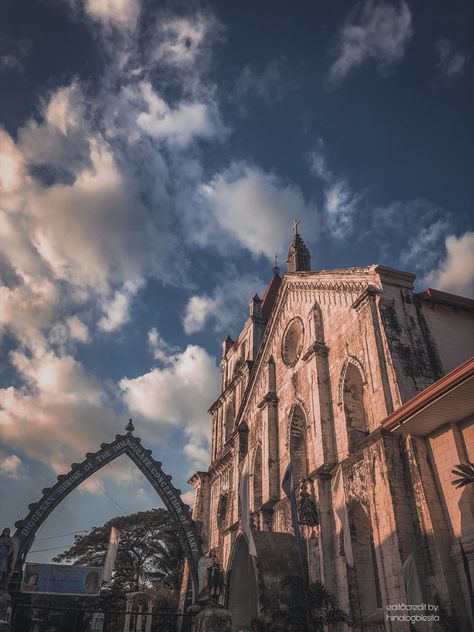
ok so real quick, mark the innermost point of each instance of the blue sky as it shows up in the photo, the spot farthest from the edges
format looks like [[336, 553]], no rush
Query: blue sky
[[152, 159]]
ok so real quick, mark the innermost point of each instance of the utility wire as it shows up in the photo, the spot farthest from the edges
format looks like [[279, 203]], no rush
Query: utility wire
[[62, 535], [109, 496], [55, 548]]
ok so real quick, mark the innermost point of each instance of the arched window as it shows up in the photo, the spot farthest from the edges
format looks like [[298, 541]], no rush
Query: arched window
[[297, 446], [366, 597], [257, 478], [354, 407], [229, 420], [318, 323]]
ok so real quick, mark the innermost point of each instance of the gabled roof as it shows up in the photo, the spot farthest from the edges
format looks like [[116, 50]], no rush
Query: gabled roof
[[269, 296]]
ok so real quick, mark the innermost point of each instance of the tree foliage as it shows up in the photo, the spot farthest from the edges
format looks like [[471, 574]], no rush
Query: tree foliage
[[149, 555], [465, 471]]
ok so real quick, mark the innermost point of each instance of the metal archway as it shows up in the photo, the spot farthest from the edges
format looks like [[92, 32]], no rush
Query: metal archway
[[131, 446]]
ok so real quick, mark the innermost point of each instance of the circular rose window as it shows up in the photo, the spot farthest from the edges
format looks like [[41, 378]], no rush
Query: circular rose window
[[292, 343]]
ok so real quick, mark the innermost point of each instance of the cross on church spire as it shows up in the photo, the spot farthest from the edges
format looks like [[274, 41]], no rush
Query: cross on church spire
[[299, 258]]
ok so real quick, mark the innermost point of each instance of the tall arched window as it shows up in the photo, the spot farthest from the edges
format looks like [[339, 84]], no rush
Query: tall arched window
[[257, 478], [229, 420], [354, 407], [297, 446], [318, 323], [366, 597]]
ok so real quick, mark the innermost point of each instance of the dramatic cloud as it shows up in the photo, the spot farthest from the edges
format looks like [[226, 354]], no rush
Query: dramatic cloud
[[376, 32], [226, 308], [423, 247], [178, 396], [57, 401], [255, 209], [420, 224], [450, 61], [455, 273], [341, 203]]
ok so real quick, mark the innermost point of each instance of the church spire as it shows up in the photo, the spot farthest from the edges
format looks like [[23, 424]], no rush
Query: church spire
[[299, 258]]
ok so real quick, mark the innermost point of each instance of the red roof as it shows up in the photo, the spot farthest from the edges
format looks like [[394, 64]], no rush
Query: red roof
[[269, 296]]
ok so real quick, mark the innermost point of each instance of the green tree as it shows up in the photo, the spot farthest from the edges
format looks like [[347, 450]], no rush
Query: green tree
[[149, 555]]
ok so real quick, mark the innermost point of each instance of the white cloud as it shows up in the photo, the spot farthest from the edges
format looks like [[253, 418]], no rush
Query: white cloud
[[177, 396], [10, 465], [182, 40], [423, 247], [77, 329], [57, 401], [178, 126], [188, 497], [450, 61], [161, 350], [120, 13], [61, 138], [376, 31], [226, 308], [455, 273], [340, 202], [117, 309], [254, 209], [418, 224]]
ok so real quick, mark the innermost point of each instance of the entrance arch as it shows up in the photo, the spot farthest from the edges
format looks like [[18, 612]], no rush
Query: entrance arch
[[123, 444]]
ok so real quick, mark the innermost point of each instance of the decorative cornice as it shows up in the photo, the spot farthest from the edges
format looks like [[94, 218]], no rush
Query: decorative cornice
[[269, 398], [370, 292]]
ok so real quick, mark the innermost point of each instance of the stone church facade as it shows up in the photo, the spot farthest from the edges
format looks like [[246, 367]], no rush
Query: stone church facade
[[321, 376]]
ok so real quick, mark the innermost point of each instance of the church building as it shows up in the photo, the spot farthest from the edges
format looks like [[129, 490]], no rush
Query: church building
[[366, 387]]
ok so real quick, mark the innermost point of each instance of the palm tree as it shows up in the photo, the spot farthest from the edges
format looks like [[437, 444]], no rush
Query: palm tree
[[465, 473]]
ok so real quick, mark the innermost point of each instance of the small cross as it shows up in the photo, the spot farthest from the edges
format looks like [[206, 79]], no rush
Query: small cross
[[296, 223]]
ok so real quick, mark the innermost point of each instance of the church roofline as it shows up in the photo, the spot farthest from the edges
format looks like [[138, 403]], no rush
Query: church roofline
[[445, 298], [428, 410]]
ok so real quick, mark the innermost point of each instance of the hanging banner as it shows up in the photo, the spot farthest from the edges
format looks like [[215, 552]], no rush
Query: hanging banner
[[245, 506], [58, 579], [114, 542]]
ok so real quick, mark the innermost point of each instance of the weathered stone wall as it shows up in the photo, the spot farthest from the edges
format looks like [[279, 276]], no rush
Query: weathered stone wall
[[452, 330], [363, 346]]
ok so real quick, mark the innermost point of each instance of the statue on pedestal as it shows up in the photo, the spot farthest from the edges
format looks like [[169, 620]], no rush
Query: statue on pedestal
[[215, 580], [6, 557], [307, 512]]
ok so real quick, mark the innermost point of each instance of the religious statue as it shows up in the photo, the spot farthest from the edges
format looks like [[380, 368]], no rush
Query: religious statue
[[215, 580], [6, 556], [307, 512]]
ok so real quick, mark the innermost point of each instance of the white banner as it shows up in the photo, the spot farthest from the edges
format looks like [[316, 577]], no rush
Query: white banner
[[245, 506], [114, 541], [340, 508]]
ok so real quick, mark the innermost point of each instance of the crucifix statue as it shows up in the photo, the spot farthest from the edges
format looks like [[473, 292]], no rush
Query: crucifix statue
[[296, 223]]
